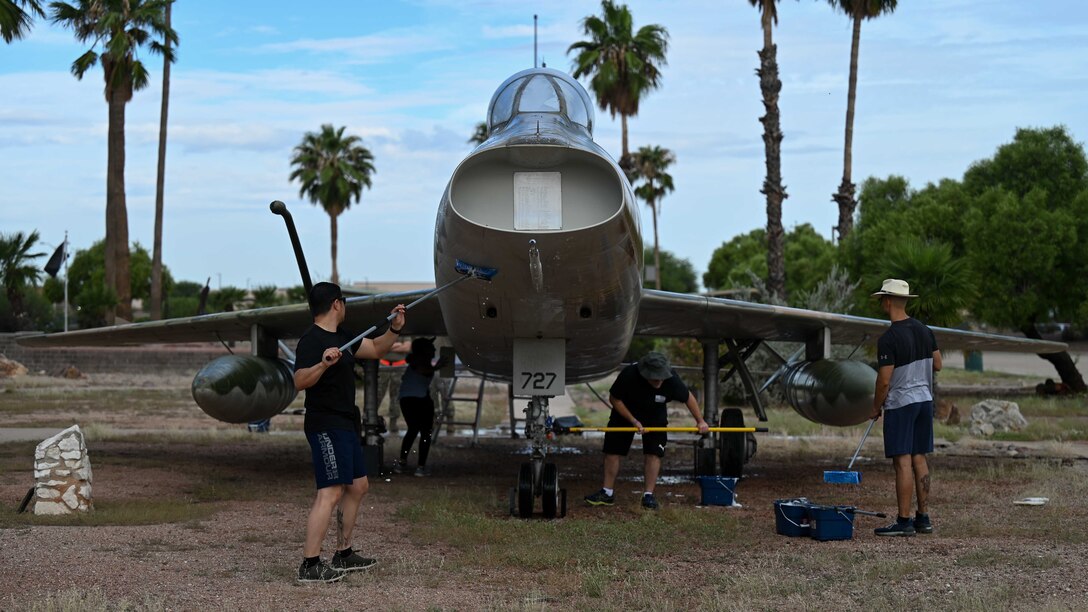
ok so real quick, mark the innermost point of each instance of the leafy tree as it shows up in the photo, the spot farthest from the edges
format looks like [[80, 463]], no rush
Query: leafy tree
[[160, 182], [265, 295], [835, 293], [186, 289], [86, 274], [858, 11], [480, 134], [808, 257], [121, 27], [224, 299], [677, 275], [1027, 238], [770, 85], [15, 17], [333, 169], [623, 65], [943, 282], [649, 167], [296, 294], [18, 270], [731, 262], [891, 211]]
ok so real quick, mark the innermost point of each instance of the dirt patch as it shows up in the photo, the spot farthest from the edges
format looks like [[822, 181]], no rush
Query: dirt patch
[[447, 542]]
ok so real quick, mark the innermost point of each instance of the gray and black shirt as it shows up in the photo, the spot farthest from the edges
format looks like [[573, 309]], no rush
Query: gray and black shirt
[[908, 345]]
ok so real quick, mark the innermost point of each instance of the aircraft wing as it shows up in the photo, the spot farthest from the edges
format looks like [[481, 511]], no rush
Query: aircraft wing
[[666, 314], [280, 321]]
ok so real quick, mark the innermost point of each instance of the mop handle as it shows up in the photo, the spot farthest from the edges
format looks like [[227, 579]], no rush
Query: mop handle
[[865, 435], [393, 315]]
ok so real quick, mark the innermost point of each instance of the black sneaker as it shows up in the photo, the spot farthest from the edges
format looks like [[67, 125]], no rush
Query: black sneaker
[[901, 527], [922, 524], [352, 563], [319, 572], [649, 502], [600, 498]]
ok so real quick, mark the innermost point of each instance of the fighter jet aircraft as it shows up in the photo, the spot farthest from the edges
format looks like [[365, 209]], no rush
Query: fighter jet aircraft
[[551, 211]]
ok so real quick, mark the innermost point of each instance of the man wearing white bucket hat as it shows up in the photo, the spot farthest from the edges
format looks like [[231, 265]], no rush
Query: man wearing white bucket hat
[[907, 356]]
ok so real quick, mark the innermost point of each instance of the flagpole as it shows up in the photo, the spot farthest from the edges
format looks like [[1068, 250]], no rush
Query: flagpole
[[65, 258]]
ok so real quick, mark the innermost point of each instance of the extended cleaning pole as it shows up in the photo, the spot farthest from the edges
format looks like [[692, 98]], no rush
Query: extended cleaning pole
[[466, 270]]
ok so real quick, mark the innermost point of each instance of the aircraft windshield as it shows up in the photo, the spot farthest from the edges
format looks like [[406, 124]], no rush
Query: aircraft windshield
[[541, 91]]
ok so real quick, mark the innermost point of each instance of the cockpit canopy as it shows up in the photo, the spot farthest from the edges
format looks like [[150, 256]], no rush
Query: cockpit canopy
[[540, 90]]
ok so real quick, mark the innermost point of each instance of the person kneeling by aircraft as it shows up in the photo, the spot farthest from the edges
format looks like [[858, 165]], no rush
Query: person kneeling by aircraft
[[639, 397], [333, 426]]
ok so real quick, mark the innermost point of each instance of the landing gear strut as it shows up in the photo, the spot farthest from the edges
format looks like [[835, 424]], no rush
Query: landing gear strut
[[537, 478]]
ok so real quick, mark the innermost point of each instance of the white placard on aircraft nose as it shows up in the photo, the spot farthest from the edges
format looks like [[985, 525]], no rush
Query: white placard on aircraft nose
[[540, 366], [538, 201]]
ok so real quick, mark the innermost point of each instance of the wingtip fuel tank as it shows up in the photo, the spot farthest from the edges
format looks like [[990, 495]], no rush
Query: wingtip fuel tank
[[243, 388]]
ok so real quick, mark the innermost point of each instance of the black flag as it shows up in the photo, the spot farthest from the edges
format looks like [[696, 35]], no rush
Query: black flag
[[53, 265]]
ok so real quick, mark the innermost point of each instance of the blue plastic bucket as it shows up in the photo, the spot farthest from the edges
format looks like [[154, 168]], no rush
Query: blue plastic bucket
[[717, 490], [791, 517], [831, 522]]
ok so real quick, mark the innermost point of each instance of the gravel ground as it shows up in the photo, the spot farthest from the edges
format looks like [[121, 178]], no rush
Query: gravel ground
[[242, 552]]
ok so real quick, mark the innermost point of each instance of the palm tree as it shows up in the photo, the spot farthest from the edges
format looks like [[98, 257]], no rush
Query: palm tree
[[770, 85], [16, 269], [333, 169], [856, 10], [649, 165], [15, 19], [121, 27], [623, 65], [160, 184], [480, 134]]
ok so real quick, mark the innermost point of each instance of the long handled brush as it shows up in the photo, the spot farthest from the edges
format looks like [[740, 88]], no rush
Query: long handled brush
[[466, 271], [848, 477]]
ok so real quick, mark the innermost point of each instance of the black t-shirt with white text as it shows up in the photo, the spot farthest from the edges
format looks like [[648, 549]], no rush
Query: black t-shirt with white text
[[330, 402], [646, 403]]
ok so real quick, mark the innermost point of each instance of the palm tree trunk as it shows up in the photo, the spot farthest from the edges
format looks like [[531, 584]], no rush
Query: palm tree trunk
[[845, 196], [156, 257], [657, 251], [159, 185], [117, 254], [770, 85], [626, 163], [335, 274]]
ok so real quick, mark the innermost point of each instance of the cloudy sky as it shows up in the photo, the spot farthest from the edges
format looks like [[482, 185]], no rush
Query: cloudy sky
[[942, 83]]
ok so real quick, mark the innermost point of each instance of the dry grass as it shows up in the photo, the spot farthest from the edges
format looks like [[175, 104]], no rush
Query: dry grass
[[216, 517]]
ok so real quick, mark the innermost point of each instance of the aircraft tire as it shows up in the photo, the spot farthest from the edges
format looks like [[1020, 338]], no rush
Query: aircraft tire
[[525, 491], [733, 445], [550, 499], [704, 461]]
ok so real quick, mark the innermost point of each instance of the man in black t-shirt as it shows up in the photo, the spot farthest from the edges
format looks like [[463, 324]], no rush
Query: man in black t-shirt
[[907, 356], [638, 398], [333, 426]]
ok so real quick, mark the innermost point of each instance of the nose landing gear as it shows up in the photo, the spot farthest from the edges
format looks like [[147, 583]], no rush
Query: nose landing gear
[[535, 477]]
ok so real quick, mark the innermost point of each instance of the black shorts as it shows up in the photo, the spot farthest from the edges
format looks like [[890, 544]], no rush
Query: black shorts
[[337, 457], [653, 443], [908, 430]]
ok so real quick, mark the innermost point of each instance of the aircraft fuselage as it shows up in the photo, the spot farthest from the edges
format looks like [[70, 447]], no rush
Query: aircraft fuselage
[[546, 206]]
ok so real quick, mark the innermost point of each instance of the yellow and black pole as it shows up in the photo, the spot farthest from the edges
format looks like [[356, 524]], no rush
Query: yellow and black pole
[[668, 429]]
